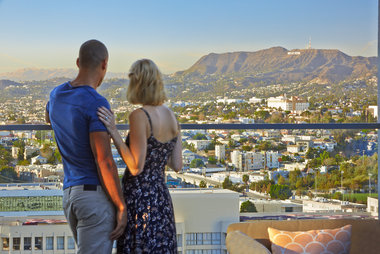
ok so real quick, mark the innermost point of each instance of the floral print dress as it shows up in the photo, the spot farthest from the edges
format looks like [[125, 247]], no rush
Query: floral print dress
[[151, 226]]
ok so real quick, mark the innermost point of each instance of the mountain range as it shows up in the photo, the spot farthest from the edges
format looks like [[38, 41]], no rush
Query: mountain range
[[279, 64], [29, 74], [273, 65]]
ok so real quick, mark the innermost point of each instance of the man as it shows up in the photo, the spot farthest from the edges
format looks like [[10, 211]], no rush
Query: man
[[91, 184]]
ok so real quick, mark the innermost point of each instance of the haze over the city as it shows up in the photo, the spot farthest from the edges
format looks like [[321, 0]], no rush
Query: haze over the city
[[175, 34]]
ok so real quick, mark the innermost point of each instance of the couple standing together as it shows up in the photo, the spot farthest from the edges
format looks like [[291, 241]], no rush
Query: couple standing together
[[139, 214]]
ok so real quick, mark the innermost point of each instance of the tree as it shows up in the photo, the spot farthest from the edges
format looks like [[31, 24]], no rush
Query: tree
[[20, 144], [196, 163], [248, 207], [227, 183], [202, 184], [23, 163], [338, 195], [281, 180], [58, 156], [212, 160], [278, 191], [261, 114], [246, 148], [200, 136], [276, 117], [245, 179], [5, 156]]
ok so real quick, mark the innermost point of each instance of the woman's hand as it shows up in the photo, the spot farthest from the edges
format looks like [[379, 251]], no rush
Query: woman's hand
[[107, 117]]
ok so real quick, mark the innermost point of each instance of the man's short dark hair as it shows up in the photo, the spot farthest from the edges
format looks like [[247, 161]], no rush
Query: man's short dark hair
[[91, 54]]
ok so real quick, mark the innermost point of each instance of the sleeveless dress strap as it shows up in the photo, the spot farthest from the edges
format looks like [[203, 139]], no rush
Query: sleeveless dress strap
[[150, 121]]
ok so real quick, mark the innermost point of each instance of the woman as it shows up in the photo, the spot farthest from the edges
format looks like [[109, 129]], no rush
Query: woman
[[154, 141]]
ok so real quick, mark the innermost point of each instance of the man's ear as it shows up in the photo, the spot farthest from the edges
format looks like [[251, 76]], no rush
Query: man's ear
[[104, 64], [78, 62]]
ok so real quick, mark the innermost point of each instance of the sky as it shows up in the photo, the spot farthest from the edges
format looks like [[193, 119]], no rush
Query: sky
[[176, 33]]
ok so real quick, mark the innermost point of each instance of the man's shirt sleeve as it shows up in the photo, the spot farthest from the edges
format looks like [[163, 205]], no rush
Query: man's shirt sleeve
[[94, 122]]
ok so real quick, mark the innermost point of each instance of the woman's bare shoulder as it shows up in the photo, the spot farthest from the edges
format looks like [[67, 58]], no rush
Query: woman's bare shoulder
[[170, 112], [137, 115]]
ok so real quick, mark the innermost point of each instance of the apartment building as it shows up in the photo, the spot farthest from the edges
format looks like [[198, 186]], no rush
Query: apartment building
[[220, 152], [294, 104], [245, 161], [202, 218]]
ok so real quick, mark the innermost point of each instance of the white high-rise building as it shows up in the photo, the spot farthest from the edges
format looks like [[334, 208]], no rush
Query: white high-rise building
[[220, 152], [294, 104], [271, 159], [236, 158], [245, 161]]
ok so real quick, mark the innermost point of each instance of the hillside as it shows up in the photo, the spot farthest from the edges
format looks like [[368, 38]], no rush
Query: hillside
[[279, 64], [29, 74]]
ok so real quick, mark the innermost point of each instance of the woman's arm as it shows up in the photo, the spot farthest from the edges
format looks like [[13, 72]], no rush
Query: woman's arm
[[134, 155], [175, 160]]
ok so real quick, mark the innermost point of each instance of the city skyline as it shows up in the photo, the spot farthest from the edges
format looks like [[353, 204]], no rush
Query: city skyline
[[175, 34]]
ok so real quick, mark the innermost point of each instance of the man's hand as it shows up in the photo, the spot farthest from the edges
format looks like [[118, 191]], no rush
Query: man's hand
[[108, 119], [121, 223]]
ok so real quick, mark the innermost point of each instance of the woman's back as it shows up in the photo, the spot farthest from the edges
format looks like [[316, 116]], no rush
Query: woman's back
[[164, 125]]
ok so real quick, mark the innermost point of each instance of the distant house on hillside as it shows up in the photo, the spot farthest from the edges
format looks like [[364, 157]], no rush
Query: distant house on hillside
[[39, 159]]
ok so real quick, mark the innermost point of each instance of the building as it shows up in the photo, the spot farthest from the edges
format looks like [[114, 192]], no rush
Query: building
[[25, 234], [255, 100], [274, 206], [39, 160], [373, 110], [373, 206], [30, 151], [245, 161], [246, 120], [235, 158], [325, 205], [15, 151], [272, 159], [294, 104], [301, 147], [41, 171], [292, 149], [199, 144], [220, 152], [294, 166], [256, 177], [226, 100], [202, 218]]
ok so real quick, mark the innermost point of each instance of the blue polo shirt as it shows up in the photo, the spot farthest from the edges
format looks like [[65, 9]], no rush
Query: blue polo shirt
[[73, 115]]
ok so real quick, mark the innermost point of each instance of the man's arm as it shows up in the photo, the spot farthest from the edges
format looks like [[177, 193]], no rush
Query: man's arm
[[101, 148], [47, 118]]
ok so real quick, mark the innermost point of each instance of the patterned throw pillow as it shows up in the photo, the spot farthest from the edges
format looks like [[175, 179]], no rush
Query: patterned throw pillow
[[331, 241]]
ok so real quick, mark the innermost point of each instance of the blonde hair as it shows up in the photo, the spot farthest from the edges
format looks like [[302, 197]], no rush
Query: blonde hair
[[145, 84]]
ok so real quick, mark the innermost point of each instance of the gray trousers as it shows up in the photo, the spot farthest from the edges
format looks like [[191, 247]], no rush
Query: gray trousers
[[91, 217]]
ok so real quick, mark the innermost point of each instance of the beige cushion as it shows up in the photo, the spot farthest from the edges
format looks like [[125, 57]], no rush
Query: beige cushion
[[239, 243]]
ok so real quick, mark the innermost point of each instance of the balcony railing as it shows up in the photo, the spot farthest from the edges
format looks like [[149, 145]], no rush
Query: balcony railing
[[282, 126]]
